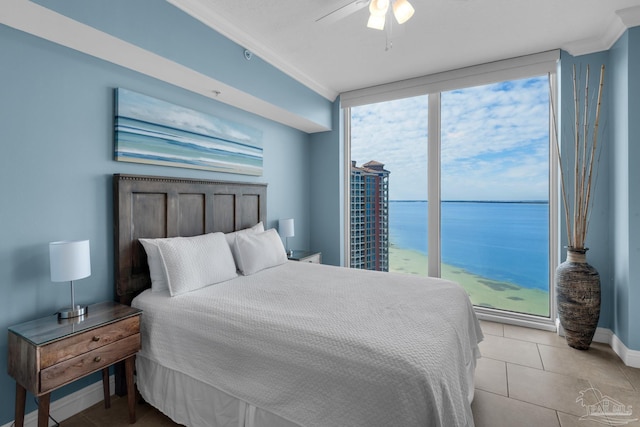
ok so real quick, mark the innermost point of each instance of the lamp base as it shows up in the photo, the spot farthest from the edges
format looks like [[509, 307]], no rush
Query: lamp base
[[77, 311]]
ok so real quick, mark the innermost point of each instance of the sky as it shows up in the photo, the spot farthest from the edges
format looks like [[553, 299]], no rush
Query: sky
[[494, 142]]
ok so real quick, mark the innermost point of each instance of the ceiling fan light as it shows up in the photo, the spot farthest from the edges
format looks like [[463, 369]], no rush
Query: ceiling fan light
[[378, 7], [376, 22], [402, 10]]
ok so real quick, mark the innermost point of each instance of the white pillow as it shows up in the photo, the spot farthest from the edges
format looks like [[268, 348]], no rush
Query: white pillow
[[231, 237], [156, 267], [195, 262], [259, 251]]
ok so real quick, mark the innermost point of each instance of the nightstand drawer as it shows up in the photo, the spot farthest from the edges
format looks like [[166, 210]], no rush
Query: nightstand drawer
[[62, 350], [86, 363]]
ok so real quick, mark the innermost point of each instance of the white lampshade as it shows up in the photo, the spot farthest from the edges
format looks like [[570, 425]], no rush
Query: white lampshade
[[286, 228], [378, 10], [378, 7], [69, 260], [376, 22], [402, 10]]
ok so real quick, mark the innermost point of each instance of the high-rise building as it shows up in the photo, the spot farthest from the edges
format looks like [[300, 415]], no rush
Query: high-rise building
[[369, 216]]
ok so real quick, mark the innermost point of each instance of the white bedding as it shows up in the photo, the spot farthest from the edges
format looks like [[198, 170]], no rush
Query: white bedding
[[324, 346]]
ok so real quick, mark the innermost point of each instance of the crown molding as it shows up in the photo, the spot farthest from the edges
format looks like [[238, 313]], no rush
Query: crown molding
[[630, 16], [199, 10], [41, 22], [613, 29]]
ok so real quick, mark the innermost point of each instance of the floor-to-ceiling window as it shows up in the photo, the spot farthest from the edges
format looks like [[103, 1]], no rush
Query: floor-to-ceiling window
[[495, 193], [487, 187]]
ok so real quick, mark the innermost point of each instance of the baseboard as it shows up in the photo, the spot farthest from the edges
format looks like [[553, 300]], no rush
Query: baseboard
[[605, 335], [559, 328], [629, 357], [71, 404]]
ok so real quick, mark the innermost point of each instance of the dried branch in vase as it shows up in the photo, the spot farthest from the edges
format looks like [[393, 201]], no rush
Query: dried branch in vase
[[585, 144]]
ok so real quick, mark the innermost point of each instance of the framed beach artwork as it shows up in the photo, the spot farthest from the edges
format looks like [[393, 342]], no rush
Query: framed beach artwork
[[151, 131]]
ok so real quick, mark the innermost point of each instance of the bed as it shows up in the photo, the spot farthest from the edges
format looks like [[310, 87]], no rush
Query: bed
[[294, 344]]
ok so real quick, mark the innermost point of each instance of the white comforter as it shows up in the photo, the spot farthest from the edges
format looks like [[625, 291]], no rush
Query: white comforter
[[324, 346]]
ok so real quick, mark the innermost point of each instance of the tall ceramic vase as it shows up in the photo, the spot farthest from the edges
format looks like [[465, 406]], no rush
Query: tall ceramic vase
[[578, 298]]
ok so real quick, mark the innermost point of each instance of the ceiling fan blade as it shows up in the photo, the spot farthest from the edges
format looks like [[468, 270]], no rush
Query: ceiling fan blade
[[343, 11]]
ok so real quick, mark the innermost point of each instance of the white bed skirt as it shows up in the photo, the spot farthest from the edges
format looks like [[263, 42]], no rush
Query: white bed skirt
[[193, 403], [167, 390]]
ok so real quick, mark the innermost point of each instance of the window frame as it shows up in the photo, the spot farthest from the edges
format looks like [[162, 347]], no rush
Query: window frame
[[433, 86]]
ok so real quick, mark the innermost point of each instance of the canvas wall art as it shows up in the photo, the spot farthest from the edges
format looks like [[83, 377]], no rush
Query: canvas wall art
[[152, 131]]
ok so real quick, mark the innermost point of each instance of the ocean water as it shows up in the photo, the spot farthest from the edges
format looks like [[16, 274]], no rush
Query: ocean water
[[501, 241]]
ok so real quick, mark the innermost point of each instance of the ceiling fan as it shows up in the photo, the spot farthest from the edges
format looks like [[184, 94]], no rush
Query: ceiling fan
[[402, 10]]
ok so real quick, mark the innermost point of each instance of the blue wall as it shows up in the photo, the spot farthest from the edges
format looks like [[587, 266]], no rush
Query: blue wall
[[620, 185], [614, 231], [327, 190], [633, 284], [625, 175], [56, 117]]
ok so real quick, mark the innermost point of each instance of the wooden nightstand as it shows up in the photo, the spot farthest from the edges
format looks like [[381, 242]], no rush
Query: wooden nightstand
[[47, 353], [306, 256]]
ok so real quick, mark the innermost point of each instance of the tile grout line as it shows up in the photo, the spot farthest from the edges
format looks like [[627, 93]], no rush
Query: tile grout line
[[506, 376], [520, 400], [530, 341], [540, 356], [628, 377]]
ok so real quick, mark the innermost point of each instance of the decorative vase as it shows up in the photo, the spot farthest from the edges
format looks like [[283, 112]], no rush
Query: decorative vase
[[578, 298]]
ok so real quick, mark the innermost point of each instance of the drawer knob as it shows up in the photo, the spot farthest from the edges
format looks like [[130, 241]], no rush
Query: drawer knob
[[97, 359], [95, 338]]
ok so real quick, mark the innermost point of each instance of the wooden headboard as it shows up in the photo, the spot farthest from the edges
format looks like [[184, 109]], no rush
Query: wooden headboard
[[152, 207]]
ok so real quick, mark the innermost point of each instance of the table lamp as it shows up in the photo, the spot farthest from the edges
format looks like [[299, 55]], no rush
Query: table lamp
[[69, 261], [286, 230]]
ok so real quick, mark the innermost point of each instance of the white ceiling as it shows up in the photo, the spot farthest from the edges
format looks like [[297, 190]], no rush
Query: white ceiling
[[443, 35]]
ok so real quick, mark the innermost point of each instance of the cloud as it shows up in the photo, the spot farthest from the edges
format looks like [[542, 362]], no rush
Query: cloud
[[394, 133], [494, 142]]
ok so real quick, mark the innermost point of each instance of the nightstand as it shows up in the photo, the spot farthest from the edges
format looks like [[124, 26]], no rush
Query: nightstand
[[47, 353], [306, 256]]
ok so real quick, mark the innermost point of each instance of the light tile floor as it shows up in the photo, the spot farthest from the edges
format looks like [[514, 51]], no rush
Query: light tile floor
[[529, 377], [526, 377]]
